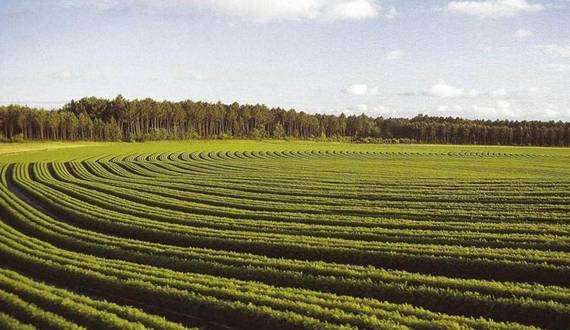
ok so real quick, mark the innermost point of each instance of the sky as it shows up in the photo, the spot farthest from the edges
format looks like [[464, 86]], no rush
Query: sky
[[485, 59]]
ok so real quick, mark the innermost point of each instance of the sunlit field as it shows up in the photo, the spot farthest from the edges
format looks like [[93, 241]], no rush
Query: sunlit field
[[283, 235]]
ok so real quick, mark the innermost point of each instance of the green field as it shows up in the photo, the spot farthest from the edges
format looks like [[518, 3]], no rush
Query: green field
[[283, 235]]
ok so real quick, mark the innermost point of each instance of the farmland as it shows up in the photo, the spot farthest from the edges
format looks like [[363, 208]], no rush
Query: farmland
[[283, 235]]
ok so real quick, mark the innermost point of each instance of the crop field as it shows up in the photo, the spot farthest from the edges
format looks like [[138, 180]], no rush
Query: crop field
[[283, 235]]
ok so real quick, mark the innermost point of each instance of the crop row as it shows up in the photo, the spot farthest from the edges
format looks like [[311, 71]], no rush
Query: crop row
[[229, 301], [359, 286], [237, 239], [49, 307]]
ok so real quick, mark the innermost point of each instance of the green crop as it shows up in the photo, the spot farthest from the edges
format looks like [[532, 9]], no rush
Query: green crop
[[283, 235]]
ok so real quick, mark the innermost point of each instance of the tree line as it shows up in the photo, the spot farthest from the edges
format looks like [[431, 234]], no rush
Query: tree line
[[120, 119]]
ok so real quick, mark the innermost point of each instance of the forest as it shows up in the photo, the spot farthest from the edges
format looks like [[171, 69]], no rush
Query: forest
[[120, 119]]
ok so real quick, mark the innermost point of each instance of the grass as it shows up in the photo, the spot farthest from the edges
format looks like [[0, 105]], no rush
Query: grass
[[284, 234]]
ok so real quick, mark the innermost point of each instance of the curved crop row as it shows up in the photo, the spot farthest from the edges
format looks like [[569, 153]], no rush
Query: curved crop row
[[280, 239]]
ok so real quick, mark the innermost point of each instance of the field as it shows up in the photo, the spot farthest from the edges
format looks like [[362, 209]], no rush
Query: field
[[283, 235]]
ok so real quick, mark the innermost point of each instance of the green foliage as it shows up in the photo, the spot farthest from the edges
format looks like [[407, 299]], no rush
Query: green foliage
[[258, 133], [113, 131], [279, 131]]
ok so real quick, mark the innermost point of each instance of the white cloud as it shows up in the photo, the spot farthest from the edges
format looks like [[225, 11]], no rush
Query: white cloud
[[522, 34], [362, 89], [493, 8], [263, 10], [499, 92], [558, 67], [443, 90], [361, 107], [266, 10], [394, 55], [355, 9], [556, 50], [391, 14], [258, 10]]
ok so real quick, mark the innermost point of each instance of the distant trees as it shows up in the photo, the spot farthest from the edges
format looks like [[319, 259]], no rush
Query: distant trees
[[99, 119]]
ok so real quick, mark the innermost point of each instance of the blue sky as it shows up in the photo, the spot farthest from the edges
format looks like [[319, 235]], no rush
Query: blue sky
[[475, 59]]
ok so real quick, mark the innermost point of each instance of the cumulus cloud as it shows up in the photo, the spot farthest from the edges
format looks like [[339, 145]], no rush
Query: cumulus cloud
[[263, 10], [556, 50], [258, 10], [522, 34], [362, 89], [493, 8], [355, 9], [394, 55], [444, 90]]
